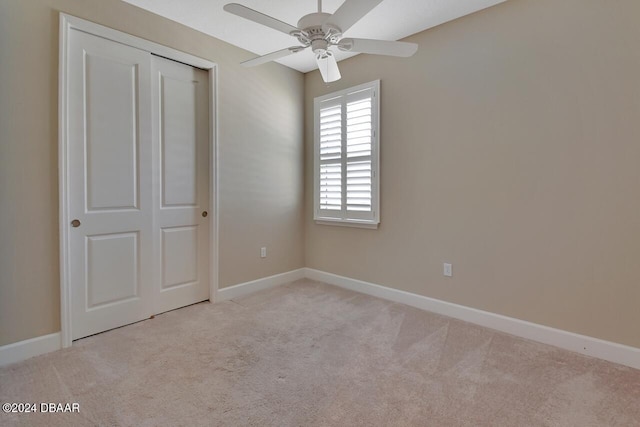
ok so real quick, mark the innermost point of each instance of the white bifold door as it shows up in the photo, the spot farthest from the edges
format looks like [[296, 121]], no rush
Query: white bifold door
[[138, 184]]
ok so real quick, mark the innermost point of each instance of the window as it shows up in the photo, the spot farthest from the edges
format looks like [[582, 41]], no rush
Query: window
[[346, 157]]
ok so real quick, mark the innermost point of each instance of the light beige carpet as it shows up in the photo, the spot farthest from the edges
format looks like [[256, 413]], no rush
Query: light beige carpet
[[309, 354]]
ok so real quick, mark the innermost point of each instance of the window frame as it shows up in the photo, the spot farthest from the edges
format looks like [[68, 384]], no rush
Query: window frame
[[343, 217]]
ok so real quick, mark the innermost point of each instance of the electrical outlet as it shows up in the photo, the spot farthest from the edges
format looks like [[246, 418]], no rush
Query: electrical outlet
[[448, 270], [263, 252]]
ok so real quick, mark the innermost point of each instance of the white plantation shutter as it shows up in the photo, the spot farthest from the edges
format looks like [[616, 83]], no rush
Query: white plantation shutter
[[346, 155], [359, 139], [331, 157]]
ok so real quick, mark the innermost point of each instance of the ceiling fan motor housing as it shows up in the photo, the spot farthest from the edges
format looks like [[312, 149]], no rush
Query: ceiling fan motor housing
[[313, 32], [313, 20]]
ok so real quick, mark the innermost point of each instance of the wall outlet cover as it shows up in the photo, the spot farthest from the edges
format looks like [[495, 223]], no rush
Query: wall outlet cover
[[448, 270]]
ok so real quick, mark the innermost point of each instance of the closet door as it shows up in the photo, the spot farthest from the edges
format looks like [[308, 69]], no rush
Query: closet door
[[181, 200], [110, 181]]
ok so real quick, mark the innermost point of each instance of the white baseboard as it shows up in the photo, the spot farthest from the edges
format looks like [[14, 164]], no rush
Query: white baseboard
[[247, 288], [26, 349], [606, 350]]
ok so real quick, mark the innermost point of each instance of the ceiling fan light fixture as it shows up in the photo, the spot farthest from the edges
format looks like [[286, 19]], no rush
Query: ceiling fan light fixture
[[328, 66], [319, 46]]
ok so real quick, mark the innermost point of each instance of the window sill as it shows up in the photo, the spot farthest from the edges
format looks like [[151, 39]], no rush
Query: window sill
[[347, 223]]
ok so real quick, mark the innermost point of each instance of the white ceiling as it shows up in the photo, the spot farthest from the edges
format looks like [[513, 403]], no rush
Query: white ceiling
[[390, 20]]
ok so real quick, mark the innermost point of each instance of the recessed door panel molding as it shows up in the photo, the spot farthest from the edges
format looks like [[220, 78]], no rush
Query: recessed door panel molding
[[136, 145], [179, 256], [178, 138], [112, 269], [112, 140]]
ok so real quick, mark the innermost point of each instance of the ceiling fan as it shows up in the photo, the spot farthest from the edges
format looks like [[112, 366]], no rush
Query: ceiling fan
[[320, 31]]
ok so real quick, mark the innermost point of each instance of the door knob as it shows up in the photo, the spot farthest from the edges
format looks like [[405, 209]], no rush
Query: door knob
[[204, 214], [75, 223]]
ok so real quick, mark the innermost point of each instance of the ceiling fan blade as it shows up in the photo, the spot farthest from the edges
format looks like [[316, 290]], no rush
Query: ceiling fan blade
[[260, 18], [328, 68], [351, 12], [272, 56], [378, 47]]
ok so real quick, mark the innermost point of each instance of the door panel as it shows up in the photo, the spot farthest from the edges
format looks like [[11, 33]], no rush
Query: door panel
[[178, 140], [179, 256], [111, 134], [181, 125], [106, 285], [109, 152]]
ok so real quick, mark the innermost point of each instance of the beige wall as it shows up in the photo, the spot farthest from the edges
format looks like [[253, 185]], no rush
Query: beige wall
[[510, 148], [260, 155]]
